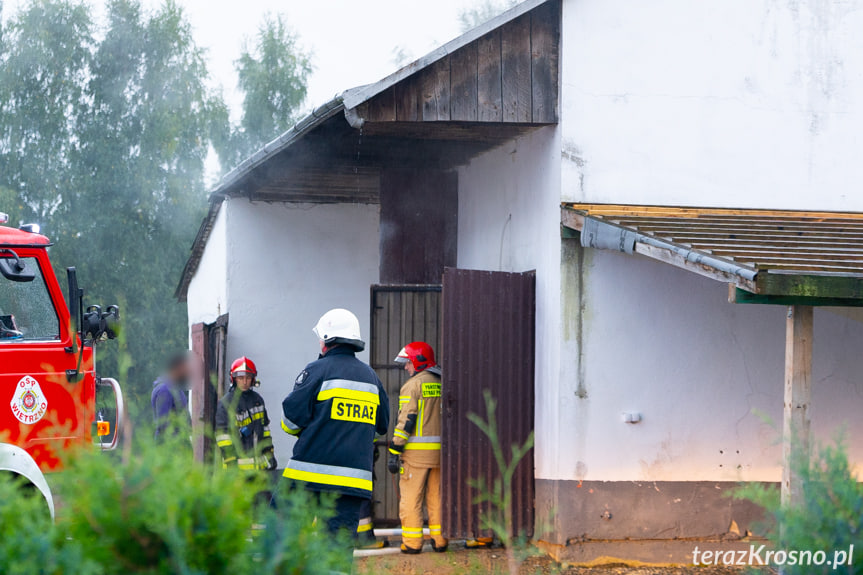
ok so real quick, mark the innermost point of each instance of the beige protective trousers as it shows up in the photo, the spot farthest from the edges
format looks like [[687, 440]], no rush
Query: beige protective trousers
[[416, 484]]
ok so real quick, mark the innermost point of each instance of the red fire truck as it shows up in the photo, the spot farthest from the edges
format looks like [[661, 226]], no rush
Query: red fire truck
[[51, 397]]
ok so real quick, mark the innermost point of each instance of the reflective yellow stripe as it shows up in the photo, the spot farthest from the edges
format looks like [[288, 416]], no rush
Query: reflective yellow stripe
[[288, 429], [400, 433], [338, 476], [420, 417], [349, 394], [404, 399], [347, 389], [363, 528], [412, 532], [423, 446], [225, 443], [266, 433], [394, 452]]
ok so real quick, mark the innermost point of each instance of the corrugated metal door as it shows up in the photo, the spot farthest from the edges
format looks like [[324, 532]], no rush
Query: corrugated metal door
[[488, 343], [400, 314]]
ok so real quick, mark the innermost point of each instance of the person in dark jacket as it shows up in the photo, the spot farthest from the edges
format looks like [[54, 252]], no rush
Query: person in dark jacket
[[170, 399], [242, 424], [335, 410]]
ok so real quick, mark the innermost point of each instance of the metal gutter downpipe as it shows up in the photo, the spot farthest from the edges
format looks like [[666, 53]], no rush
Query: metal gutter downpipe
[[602, 235]]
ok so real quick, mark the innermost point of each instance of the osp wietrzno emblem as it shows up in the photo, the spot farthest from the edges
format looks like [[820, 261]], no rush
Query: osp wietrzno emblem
[[28, 402]]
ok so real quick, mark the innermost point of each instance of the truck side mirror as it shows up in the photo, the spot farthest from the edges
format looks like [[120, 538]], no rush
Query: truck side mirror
[[13, 269], [110, 414]]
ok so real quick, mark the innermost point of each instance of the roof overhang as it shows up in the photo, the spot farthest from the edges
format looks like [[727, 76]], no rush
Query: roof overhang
[[494, 83], [767, 256]]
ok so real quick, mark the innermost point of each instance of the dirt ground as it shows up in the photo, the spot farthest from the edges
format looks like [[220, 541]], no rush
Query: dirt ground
[[493, 561]]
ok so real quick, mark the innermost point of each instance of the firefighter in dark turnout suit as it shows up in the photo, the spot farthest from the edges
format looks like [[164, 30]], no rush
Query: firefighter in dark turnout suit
[[335, 410], [242, 424]]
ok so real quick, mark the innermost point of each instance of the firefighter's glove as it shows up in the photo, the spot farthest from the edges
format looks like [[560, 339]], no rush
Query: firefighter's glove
[[393, 465], [271, 462]]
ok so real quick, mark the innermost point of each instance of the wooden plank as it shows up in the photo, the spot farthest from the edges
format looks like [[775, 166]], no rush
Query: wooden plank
[[737, 295], [572, 220], [762, 241], [682, 211], [436, 91], [407, 96], [743, 222], [809, 285], [798, 396], [382, 108], [790, 251], [515, 69], [489, 94], [545, 49], [675, 259], [463, 73]]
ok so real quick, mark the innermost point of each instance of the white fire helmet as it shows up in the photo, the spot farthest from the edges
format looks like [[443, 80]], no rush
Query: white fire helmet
[[340, 326]]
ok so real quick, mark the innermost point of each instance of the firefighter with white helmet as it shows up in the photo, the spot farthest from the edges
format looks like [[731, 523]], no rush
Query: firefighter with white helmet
[[335, 410], [415, 447], [242, 424]]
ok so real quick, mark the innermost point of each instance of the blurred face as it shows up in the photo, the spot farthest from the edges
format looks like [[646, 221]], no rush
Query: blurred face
[[244, 382], [409, 367], [180, 374]]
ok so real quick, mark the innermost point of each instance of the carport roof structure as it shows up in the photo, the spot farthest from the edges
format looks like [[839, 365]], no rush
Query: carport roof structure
[[796, 258], [771, 256]]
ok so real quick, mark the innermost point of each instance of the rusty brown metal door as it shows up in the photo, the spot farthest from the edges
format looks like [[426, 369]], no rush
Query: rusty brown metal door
[[400, 314], [488, 344], [209, 347]]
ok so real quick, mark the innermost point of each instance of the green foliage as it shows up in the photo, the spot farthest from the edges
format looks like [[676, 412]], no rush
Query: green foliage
[[29, 544], [272, 75], [499, 517], [830, 517], [103, 137], [158, 512], [102, 142]]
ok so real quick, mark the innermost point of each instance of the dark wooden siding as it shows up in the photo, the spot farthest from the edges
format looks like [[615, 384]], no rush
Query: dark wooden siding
[[488, 344], [419, 225], [509, 75]]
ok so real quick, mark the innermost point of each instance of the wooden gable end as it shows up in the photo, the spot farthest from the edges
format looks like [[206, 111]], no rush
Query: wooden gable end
[[509, 75]]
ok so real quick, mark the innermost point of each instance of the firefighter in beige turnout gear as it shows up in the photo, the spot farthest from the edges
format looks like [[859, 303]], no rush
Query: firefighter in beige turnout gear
[[415, 448]]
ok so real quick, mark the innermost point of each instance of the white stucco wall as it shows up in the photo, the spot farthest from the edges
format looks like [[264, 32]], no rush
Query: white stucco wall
[[289, 264], [286, 265], [713, 103], [705, 375], [207, 296], [509, 220], [740, 103]]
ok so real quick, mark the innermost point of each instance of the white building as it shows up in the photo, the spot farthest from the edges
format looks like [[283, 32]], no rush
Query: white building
[[465, 158]]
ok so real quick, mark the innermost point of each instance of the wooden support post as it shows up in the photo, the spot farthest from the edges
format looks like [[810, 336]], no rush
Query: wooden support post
[[798, 392]]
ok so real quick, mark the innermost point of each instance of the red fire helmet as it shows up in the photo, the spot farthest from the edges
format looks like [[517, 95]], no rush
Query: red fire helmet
[[419, 353], [243, 366]]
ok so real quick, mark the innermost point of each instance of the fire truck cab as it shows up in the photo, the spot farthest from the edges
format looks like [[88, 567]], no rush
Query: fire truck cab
[[51, 397]]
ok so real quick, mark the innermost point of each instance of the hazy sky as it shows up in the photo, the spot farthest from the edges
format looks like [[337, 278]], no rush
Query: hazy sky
[[352, 41]]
